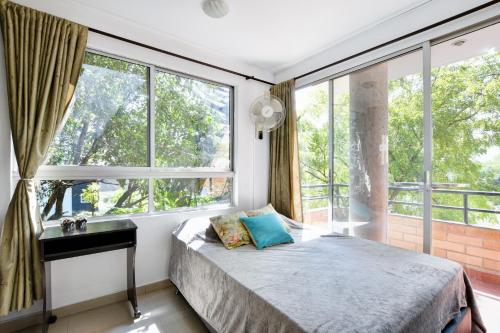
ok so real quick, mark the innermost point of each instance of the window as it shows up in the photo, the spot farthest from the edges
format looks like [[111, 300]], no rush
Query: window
[[139, 139], [110, 107], [406, 144], [192, 123], [360, 147], [313, 130], [198, 192], [92, 197], [378, 156], [466, 141]]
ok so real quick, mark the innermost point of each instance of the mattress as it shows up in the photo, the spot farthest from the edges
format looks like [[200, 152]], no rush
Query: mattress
[[320, 283]]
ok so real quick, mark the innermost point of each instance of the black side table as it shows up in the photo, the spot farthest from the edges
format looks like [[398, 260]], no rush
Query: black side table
[[98, 237]]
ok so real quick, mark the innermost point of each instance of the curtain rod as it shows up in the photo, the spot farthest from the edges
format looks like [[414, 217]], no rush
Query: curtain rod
[[130, 41], [449, 19]]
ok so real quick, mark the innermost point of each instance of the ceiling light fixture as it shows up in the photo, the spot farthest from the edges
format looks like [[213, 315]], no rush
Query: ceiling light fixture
[[459, 42], [215, 8]]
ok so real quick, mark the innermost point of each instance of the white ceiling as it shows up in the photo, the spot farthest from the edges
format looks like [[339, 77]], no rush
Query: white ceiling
[[270, 34]]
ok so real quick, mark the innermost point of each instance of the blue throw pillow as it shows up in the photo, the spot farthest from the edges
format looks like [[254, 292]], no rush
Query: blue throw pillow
[[266, 230]]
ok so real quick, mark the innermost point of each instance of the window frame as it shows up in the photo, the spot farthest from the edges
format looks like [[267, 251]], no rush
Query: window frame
[[424, 47], [150, 172]]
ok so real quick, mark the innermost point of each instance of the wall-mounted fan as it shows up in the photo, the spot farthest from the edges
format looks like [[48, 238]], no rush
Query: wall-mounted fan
[[268, 113]]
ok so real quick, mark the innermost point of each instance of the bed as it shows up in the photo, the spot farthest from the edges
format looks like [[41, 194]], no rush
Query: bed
[[320, 283]]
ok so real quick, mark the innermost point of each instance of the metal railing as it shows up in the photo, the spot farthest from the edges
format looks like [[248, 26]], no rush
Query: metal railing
[[466, 209]]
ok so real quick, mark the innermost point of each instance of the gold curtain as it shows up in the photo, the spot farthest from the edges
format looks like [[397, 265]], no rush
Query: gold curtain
[[284, 182], [43, 58]]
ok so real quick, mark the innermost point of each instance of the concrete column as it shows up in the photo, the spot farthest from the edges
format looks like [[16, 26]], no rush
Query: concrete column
[[368, 157]]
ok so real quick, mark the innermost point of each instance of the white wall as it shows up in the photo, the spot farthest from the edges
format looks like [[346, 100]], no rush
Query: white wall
[[78, 279]]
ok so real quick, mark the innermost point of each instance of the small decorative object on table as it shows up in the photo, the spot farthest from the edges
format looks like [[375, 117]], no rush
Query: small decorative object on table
[[81, 223], [67, 225]]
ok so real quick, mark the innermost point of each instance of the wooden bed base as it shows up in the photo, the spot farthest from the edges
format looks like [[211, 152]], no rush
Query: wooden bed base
[[465, 325], [462, 323]]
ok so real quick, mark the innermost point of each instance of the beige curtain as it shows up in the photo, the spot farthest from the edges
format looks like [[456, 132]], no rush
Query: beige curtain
[[43, 58], [284, 182]]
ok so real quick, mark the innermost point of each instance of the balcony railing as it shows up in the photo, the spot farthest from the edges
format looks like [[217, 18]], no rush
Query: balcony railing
[[341, 201]]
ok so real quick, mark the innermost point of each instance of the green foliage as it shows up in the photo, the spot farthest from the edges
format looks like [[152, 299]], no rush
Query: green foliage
[[176, 193], [466, 106], [91, 195], [466, 140], [109, 108], [124, 211], [108, 126], [189, 131], [312, 127], [405, 128], [341, 139]]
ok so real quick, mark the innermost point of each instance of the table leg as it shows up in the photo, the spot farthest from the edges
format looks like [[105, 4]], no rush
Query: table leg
[[48, 318], [131, 293]]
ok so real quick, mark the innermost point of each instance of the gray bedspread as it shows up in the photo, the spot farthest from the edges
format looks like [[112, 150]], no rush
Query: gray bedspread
[[317, 284]]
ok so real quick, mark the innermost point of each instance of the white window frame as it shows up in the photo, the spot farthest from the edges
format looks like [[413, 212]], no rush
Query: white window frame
[[150, 173], [425, 48]]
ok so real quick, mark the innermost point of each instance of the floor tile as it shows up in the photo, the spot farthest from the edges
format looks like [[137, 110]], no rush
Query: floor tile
[[165, 312], [101, 319], [489, 307], [162, 311], [60, 326], [488, 301]]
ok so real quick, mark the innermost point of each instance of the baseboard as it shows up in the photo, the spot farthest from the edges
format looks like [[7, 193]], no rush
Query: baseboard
[[21, 323], [68, 310]]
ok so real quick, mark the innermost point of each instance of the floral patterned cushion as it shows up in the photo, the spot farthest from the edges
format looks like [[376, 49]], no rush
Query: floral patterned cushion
[[230, 230], [269, 209]]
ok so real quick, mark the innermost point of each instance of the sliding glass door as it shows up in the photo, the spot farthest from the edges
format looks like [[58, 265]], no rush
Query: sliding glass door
[[378, 153], [391, 150], [313, 119], [465, 85]]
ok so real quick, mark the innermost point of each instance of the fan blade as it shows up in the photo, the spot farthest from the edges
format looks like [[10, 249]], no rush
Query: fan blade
[[276, 105], [270, 123], [257, 107]]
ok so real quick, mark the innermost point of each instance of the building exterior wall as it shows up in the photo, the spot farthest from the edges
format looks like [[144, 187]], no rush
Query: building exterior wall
[[476, 248]]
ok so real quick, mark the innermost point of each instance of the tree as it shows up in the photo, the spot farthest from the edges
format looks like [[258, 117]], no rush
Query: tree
[[466, 118], [91, 195], [466, 140], [108, 126], [312, 127]]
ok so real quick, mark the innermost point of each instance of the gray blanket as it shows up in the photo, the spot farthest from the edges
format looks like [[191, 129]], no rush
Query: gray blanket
[[318, 284]]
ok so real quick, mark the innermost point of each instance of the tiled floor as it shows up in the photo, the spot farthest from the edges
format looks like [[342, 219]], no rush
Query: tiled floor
[[164, 311], [488, 300]]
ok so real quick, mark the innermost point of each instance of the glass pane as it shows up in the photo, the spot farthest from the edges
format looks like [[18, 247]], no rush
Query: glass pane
[[378, 155], [58, 198], [466, 120], [192, 123], [341, 115], [173, 193], [110, 107], [405, 152], [466, 151], [313, 126]]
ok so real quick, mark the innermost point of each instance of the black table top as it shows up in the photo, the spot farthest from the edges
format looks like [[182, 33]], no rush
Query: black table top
[[56, 232]]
